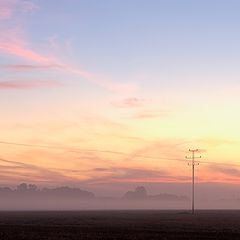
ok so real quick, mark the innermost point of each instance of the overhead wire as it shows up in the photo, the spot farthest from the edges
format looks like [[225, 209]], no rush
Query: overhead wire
[[79, 150]]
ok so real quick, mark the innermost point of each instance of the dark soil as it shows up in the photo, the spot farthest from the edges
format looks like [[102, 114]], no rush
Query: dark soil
[[120, 225]]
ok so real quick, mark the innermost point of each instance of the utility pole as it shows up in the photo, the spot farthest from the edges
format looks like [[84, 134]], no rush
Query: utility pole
[[193, 163]]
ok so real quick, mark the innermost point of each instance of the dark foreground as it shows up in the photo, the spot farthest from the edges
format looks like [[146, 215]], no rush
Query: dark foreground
[[120, 225]]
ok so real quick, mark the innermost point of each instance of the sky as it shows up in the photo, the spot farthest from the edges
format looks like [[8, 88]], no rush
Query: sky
[[108, 95]]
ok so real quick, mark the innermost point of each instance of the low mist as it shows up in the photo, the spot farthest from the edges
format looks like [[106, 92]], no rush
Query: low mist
[[30, 197]]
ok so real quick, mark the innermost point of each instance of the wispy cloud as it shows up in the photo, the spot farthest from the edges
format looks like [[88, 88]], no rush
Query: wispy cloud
[[125, 174], [6, 9], [9, 7], [29, 67], [31, 172], [14, 42], [27, 84], [166, 149], [216, 142], [230, 171], [131, 172], [14, 48], [148, 114], [132, 102], [47, 62], [132, 175], [28, 6]]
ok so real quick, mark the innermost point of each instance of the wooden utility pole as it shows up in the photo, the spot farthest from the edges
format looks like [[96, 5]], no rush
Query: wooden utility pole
[[193, 164]]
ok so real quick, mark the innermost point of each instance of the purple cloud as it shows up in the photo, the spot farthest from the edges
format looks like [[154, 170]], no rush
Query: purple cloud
[[27, 84], [30, 67], [231, 171]]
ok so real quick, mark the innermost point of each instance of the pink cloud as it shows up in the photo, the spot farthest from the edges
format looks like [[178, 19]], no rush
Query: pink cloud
[[29, 67], [13, 42], [150, 114], [9, 7], [132, 102], [27, 84], [23, 52], [6, 9], [226, 170]]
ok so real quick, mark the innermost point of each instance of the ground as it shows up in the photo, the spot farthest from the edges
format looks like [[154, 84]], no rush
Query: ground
[[120, 225]]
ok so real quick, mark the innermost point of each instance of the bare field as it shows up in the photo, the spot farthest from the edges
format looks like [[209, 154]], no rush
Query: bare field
[[144, 224]]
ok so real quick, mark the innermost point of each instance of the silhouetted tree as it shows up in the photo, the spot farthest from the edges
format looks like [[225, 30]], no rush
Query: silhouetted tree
[[32, 188], [22, 187], [139, 193]]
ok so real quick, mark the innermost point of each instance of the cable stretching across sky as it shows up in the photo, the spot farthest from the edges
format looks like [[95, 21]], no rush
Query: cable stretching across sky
[[78, 150]]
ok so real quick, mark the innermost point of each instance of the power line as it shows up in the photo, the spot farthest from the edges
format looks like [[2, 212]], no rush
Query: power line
[[30, 145], [78, 150]]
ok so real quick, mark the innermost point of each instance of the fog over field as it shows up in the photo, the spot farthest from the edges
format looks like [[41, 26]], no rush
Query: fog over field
[[31, 197]]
